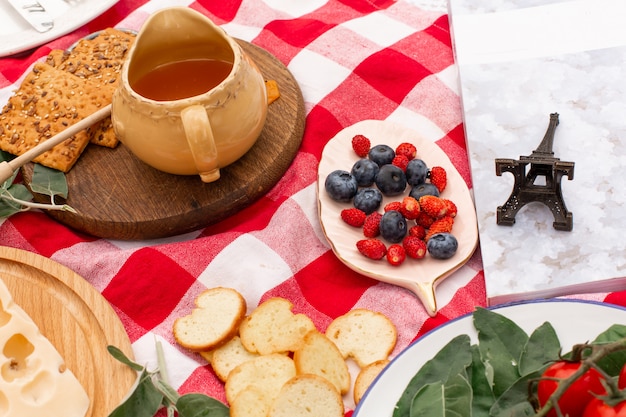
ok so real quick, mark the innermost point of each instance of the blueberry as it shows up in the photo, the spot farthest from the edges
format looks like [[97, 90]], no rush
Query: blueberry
[[393, 226], [427, 188], [442, 245], [382, 154], [416, 172], [341, 186], [391, 180], [368, 200], [365, 170]]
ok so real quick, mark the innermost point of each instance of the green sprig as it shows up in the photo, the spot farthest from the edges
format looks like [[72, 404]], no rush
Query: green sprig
[[152, 392]]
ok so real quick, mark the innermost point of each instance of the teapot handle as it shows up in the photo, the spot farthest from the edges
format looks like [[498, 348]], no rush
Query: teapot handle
[[199, 135]]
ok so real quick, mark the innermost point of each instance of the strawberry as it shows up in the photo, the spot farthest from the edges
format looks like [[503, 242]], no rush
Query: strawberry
[[410, 208], [433, 206], [372, 248], [414, 247], [438, 178], [400, 161], [452, 209], [417, 231], [424, 219], [371, 225], [353, 216], [407, 149], [396, 254], [443, 225], [394, 205], [361, 145]]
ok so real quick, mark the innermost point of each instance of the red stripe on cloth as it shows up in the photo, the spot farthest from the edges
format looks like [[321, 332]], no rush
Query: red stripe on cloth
[[254, 217], [148, 287], [427, 49], [299, 32], [368, 6], [391, 73], [440, 29], [321, 125], [617, 298], [203, 379], [330, 286], [45, 235], [225, 10]]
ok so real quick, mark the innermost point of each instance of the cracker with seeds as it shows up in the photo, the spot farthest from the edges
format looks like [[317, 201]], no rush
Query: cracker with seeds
[[98, 59], [46, 103]]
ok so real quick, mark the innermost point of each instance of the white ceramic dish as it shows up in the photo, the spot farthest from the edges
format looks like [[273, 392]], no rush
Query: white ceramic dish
[[574, 321], [419, 276], [16, 35]]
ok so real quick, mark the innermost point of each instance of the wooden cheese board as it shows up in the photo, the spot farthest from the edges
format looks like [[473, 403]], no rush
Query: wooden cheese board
[[76, 319], [117, 196]]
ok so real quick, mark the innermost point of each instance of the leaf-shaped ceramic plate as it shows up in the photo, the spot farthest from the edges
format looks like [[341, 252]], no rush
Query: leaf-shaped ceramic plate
[[591, 319], [419, 276]]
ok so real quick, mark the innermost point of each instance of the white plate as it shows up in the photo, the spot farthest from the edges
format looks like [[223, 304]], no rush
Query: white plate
[[17, 35], [574, 321], [418, 276]]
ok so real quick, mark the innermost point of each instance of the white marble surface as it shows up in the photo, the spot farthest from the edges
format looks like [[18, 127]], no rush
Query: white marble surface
[[507, 106]]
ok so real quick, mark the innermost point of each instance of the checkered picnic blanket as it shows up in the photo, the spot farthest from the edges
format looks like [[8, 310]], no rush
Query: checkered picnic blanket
[[354, 60]]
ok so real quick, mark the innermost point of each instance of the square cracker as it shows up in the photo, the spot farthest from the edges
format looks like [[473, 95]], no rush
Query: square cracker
[[98, 59], [46, 103]]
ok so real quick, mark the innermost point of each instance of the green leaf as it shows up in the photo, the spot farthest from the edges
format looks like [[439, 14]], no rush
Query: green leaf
[[144, 401], [501, 342], [482, 395], [439, 399], [48, 181], [451, 360], [542, 347], [613, 362], [514, 401], [199, 405], [7, 205], [120, 356]]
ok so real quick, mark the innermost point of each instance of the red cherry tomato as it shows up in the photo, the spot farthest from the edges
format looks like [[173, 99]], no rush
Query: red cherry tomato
[[577, 396], [598, 408]]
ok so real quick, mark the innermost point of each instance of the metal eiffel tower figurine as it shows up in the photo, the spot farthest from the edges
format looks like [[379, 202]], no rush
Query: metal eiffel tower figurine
[[527, 189]]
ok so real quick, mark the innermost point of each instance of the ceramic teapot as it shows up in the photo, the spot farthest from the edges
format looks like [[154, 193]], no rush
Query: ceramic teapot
[[190, 101]]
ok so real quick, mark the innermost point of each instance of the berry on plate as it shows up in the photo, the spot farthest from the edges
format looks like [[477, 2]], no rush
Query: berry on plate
[[371, 227], [361, 145], [353, 216], [364, 172], [381, 154], [433, 206], [393, 205], [407, 149], [393, 226], [341, 186], [390, 180], [442, 225], [401, 162], [417, 191], [414, 247], [372, 248], [396, 254], [442, 245], [410, 208], [438, 178], [417, 231], [368, 200]]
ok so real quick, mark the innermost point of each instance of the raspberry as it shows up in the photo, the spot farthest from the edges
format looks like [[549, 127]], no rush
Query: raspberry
[[414, 247], [371, 225], [438, 178], [394, 205], [417, 231], [433, 206], [361, 145], [409, 208], [452, 209], [353, 216], [406, 149], [443, 225], [400, 161], [396, 254], [372, 248], [424, 220]]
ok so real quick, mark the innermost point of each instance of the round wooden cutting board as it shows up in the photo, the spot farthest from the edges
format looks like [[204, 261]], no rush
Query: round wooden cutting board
[[117, 196], [77, 320]]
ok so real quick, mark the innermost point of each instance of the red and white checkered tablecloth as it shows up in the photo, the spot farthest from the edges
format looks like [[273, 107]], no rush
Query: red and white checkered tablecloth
[[354, 60]]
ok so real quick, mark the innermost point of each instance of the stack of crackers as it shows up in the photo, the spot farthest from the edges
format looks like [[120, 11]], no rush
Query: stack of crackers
[[67, 87]]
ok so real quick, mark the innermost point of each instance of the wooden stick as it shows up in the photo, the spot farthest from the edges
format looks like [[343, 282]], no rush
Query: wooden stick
[[8, 167]]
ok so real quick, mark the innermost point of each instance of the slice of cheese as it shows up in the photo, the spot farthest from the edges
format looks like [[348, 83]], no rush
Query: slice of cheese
[[34, 380]]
